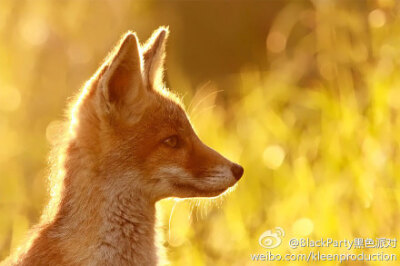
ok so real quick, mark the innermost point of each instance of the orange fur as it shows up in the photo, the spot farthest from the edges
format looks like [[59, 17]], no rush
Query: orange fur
[[129, 144]]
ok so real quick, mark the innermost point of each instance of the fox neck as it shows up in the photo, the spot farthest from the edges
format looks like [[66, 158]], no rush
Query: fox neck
[[109, 226], [127, 231]]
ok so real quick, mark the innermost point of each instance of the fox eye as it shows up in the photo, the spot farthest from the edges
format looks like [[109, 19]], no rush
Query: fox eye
[[172, 141]]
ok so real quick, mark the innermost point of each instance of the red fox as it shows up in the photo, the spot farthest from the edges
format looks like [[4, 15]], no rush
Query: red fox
[[128, 145]]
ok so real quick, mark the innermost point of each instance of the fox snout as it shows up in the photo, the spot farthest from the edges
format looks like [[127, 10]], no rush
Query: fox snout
[[205, 173], [237, 171], [206, 155]]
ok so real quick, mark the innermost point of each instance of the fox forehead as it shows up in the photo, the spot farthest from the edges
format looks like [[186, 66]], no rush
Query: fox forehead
[[162, 118], [166, 114]]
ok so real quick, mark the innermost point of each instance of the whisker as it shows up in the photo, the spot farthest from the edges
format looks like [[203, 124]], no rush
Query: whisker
[[170, 219], [192, 111], [202, 111]]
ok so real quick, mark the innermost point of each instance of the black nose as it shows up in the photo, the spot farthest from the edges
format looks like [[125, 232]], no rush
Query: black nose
[[237, 171]]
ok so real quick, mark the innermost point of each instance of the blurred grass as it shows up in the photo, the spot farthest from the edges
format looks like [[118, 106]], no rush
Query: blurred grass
[[305, 95]]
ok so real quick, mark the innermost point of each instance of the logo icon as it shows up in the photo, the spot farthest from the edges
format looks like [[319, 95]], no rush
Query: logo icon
[[270, 239]]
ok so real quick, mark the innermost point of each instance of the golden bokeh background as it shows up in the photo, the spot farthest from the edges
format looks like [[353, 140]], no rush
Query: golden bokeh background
[[304, 94]]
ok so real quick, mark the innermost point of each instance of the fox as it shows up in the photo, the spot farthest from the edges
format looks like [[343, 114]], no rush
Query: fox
[[129, 143]]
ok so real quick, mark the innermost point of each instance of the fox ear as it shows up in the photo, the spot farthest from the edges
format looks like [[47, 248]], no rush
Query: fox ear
[[153, 56], [122, 80]]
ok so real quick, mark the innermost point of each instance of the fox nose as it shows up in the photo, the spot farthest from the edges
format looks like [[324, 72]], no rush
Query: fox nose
[[237, 171]]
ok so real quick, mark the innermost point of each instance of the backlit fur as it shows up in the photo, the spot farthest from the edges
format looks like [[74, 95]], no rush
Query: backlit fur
[[128, 144]]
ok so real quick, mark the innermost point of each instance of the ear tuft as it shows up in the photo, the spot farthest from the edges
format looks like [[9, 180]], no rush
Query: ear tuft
[[153, 56]]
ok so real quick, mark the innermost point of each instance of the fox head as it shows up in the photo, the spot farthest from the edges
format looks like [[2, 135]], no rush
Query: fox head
[[139, 131]]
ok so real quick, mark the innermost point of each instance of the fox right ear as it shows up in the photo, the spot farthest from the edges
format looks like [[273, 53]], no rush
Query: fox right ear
[[122, 81], [153, 57]]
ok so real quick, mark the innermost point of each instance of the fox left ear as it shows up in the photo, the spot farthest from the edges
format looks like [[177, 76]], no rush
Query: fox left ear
[[153, 56], [120, 88]]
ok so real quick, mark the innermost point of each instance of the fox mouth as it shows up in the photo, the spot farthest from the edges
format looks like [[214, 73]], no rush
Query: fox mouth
[[197, 192]]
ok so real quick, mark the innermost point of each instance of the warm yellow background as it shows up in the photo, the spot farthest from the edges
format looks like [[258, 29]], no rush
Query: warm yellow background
[[304, 94]]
